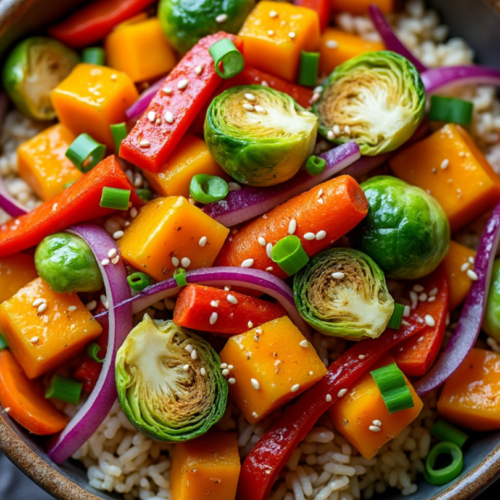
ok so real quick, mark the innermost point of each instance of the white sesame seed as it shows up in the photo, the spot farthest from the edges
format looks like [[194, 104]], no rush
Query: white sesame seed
[[269, 269], [247, 263], [264, 83], [472, 260], [189, 348], [104, 262], [262, 241], [221, 18], [465, 266], [233, 186], [255, 415], [248, 106], [295, 388], [362, 356], [34, 340], [71, 308], [42, 307], [232, 381], [341, 393], [182, 84], [144, 144], [328, 398], [203, 241], [258, 330], [213, 318], [152, 116], [406, 311], [185, 262], [422, 297], [374, 428], [338, 276], [250, 324], [431, 299], [169, 117], [433, 292], [133, 212], [429, 320], [311, 373], [270, 32], [214, 303], [91, 305], [320, 235], [291, 35], [175, 261], [330, 135], [198, 70], [203, 371], [185, 367], [166, 90], [336, 130], [472, 275], [37, 302], [444, 164], [255, 384], [378, 423], [261, 110], [273, 13], [331, 44], [320, 193], [309, 236], [418, 288], [232, 299], [7, 410], [225, 372], [230, 367], [249, 96], [118, 234], [304, 343], [223, 365], [269, 249], [114, 77], [104, 301], [347, 130], [194, 354], [112, 253], [292, 226]]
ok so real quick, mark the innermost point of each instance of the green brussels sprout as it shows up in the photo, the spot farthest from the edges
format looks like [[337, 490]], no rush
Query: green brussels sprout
[[491, 319], [67, 264], [165, 393], [33, 68], [406, 231], [262, 141], [379, 96], [342, 292], [184, 22]]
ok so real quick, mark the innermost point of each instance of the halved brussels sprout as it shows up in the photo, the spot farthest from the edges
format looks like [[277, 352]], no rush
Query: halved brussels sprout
[[342, 292], [168, 393], [259, 136], [378, 96], [33, 68], [491, 320]]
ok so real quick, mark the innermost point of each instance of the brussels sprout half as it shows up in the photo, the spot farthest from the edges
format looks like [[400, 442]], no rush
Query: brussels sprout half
[[342, 292], [33, 68], [491, 320], [379, 96], [259, 136], [162, 398]]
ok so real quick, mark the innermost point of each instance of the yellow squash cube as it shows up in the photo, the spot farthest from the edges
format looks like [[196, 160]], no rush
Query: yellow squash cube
[[15, 271], [92, 98], [166, 235], [272, 364], [275, 33], [42, 161], [451, 168], [41, 340]]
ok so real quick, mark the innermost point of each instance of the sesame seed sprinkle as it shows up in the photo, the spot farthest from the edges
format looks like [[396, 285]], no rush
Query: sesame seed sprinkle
[[214, 303], [232, 381], [221, 18], [182, 84], [304, 343], [247, 263], [232, 299], [338, 276], [133, 212], [213, 318], [472, 275], [309, 236], [152, 116], [144, 144], [378, 423], [406, 312], [269, 249], [320, 235], [295, 388], [465, 266], [37, 302], [331, 44], [429, 320], [269, 269], [175, 261], [291, 34], [189, 348], [169, 117], [330, 135], [225, 372], [255, 415], [91, 305], [270, 32], [362, 356], [223, 365], [336, 130], [185, 262], [260, 110], [7, 410], [328, 398], [114, 77], [42, 307], [71, 308], [185, 367], [292, 226], [166, 90], [262, 241], [273, 13], [249, 96], [104, 262], [250, 324], [34, 340], [255, 384], [198, 70], [418, 288], [341, 393], [444, 164], [374, 428], [203, 371], [194, 354], [248, 107], [118, 234], [203, 241], [112, 253]]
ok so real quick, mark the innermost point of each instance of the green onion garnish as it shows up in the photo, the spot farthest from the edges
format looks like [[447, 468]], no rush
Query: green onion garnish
[[444, 431], [393, 388], [93, 352], [450, 110], [308, 71], [138, 281], [227, 58], [206, 188], [117, 199], [3, 343], [85, 153], [119, 131], [93, 55], [64, 389], [315, 165], [180, 277], [397, 316], [144, 194], [289, 254], [448, 473]]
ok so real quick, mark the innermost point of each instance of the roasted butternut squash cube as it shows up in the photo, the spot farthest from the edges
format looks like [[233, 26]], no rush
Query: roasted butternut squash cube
[[360, 7], [470, 396], [165, 236], [15, 271], [41, 340], [91, 98], [354, 414], [272, 364], [451, 168], [191, 157], [275, 33], [42, 161], [139, 49]]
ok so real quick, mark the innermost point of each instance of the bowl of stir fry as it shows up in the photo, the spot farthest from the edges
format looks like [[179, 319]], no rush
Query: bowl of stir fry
[[248, 249]]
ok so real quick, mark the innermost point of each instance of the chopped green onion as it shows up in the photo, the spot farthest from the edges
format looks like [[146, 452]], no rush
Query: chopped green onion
[[144, 194], [227, 58], [93, 55], [64, 389], [138, 281], [206, 188], [119, 131], [289, 254], [393, 388], [85, 153], [397, 316], [68, 184], [445, 431], [118, 199], [448, 473], [450, 110], [3, 343], [93, 352], [308, 71], [315, 165], [180, 277]]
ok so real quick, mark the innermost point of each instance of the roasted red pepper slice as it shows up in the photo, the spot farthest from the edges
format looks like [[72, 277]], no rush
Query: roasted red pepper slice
[[88, 373], [322, 7], [148, 145], [264, 463]]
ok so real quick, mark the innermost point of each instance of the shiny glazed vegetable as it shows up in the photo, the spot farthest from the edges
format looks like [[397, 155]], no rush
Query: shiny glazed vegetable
[[67, 264], [378, 96], [342, 292], [491, 320], [406, 231], [168, 393], [33, 68], [258, 135]]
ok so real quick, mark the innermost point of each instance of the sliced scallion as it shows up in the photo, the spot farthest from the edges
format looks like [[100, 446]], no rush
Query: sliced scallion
[[289, 254], [138, 281], [315, 165], [144, 194], [3, 343], [64, 389], [450, 110], [448, 473], [119, 131], [117, 199], [180, 277], [85, 153], [308, 70], [206, 188], [93, 352], [445, 431], [397, 316], [93, 55], [227, 58]]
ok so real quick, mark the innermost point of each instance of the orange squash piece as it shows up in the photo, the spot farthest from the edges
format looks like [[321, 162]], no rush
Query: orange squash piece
[[282, 367], [275, 33], [206, 468], [15, 271], [190, 157], [355, 412], [42, 163], [41, 341], [360, 7], [166, 234], [451, 167], [92, 98]]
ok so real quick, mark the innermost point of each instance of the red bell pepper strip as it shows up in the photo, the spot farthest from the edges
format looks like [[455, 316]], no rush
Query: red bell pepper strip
[[77, 203], [93, 22], [195, 305], [322, 7], [148, 145], [415, 356], [264, 463]]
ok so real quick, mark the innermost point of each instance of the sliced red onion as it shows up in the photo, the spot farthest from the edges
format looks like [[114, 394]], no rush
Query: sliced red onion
[[471, 318], [391, 41], [139, 106], [249, 202], [439, 78], [254, 279], [96, 408], [9, 204]]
